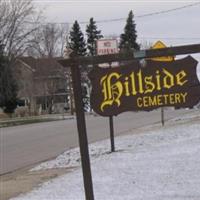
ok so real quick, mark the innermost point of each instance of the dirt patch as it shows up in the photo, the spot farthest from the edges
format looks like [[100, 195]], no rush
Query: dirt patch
[[23, 181]]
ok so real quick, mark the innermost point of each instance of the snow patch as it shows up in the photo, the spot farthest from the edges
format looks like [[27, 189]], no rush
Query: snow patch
[[160, 164]]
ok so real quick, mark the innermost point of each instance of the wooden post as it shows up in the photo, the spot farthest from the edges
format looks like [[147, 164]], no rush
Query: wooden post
[[112, 138], [150, 53], [82, 133], [162, 116], [71, 94]]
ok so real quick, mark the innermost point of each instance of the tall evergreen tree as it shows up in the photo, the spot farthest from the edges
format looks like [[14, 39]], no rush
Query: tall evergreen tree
[[77, 44], [76, 41], [92, 36], [8, 86], [128, 38]]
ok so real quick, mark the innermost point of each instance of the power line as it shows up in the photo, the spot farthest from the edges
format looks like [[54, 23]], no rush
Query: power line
[[148, 14], [170, 38], [163, 38], [170, 10], [122, 19]]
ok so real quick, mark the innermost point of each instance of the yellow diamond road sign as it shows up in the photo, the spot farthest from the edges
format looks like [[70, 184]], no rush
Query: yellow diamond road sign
[[161, 45]]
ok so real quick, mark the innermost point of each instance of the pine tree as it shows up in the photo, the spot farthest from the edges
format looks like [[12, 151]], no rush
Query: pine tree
[[77, 44], [8, 86], [76, 41], [92, 36], [128, 38]]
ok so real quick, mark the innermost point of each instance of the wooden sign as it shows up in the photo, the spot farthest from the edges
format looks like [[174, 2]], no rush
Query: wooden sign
[[134, 88], [114, 92]]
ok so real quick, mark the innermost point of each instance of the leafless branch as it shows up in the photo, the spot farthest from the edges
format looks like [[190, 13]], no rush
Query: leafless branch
[[18, 21], [49, 41]]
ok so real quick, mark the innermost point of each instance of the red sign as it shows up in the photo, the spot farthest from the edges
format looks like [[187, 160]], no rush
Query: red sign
[[107, 46]]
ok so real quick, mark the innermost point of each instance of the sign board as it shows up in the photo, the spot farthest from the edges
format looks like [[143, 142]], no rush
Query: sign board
[[161, 45], [134, 88], [107, 46], [115, 89]]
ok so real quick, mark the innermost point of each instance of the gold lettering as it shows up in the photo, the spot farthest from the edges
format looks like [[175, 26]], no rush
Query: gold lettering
[[134, 92], [116, 85], [159, 100], [104, 90], [158, 80], [145, 101], [168, 80], [150, 86], [171, 99], [177, 98], [126, 85], [139, 74], [165, 97], [139, 102], [179, 78], [184, 96], [111, 91], [152, 101]]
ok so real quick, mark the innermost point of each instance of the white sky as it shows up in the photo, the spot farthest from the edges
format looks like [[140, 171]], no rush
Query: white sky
[[174, 28], [182, 23]]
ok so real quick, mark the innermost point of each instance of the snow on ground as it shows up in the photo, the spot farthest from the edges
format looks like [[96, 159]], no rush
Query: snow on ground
[[71, 158], [184, 118], [161, 164]]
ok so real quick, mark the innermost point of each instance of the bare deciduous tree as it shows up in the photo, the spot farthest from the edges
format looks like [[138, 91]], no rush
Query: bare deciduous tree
[[146, 44], [18, 20], [49, 41]]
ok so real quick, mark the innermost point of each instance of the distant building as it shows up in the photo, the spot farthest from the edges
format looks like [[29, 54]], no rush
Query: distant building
[[42, 85]]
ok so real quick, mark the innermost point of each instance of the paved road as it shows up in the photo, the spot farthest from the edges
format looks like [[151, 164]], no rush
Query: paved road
[[25, 145]]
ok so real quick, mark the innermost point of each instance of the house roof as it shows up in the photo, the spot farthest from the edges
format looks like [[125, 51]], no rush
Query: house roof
[[48, 67], [30, 61], [44, 67]]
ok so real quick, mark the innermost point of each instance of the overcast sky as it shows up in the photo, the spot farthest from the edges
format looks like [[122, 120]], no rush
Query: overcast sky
[[179, 27]]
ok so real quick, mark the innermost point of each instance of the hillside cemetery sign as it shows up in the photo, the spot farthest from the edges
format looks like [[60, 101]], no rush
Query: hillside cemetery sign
[[138, 88], [132, 87]]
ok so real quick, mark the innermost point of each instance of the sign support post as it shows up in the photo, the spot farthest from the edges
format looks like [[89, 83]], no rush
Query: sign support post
[[81, 125], [162, 116], [112, 139], [105, 47], [160, 45], [111, 125]]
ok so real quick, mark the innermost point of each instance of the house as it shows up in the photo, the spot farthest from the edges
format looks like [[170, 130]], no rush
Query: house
[[42, 85]]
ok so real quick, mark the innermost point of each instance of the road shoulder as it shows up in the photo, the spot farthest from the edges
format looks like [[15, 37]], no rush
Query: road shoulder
[[23, 181]]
